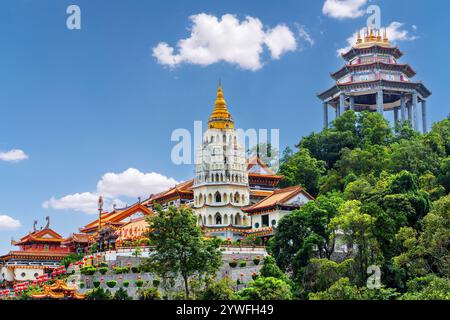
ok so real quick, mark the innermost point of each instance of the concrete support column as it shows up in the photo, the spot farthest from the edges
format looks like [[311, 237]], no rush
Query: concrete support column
[[336, 111], [424, 116], [403, 107], [325, 115], [380, 102], [395, 115], [415, 107], [341, 104], [409, 107], [352, 103]]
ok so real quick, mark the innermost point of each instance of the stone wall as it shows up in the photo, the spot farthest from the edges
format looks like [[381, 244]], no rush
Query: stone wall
[[243, 274]]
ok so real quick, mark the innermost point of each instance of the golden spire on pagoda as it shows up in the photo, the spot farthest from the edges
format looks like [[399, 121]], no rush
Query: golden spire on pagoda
[[359, 39], [220, 118], [385, 38], [372, 37]]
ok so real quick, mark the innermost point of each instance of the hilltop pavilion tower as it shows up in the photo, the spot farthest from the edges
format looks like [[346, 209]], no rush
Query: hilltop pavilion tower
[[221, 183], [373, 80]]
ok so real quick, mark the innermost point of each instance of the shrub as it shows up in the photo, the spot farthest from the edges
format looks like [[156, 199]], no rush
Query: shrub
[[139, 283], [135, 269], [242, 264], [103, 265], [103, 270], [126, 269], [96, 284], [220, 290], [156, 283], [126, 283], [111, 283], [88, 271], [254, 276], [266, 289], [82, 285], [149, 294], [233, 264], [98, 294], [121, 294], [117, 270], [256, 261]]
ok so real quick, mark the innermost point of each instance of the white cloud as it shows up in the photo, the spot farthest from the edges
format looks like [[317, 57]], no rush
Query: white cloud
[[395, 33], [8, 223], [130, 183], [15, 155], [227, 39], [343, 9], [280, 40], [303, 34], [133, 183], [82, 202]]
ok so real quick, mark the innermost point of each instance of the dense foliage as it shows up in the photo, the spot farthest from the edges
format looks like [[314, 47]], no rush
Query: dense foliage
[[180, 249], [382, 200]]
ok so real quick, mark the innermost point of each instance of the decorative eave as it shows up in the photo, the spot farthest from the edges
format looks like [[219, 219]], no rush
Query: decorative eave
[[405, 68], [354, 52], [48, 256], [386, 84], [116, 217], [232, 228]]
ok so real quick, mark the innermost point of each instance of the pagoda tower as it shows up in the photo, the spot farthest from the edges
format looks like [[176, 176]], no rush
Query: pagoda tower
[[373, 80], [221, 184]]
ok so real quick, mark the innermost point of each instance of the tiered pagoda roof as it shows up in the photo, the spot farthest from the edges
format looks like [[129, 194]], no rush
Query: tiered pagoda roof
[[371, 65]]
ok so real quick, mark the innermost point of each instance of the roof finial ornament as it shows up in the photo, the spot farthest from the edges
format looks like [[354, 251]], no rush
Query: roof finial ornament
[[47, 218], [34, 225]]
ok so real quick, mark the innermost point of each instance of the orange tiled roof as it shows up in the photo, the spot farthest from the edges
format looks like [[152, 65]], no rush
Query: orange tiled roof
[[261, 193], [39, 236], [278, 197], [257, 161], [184, 187], [115, 217]]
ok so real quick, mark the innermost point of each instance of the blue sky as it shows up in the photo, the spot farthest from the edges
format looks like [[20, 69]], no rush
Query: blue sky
[[84, 103]]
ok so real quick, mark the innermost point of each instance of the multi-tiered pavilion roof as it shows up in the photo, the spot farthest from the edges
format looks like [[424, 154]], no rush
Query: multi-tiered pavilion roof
[[373, 79]]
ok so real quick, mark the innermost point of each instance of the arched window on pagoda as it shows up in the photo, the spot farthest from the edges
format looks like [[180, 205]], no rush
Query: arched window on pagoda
[[218, 197], [218, 218]]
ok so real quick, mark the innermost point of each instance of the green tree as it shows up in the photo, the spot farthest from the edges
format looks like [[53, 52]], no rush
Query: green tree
[[98, 294], [218, 290], [427, 252], [430, 287], [180, 249], [121, 294], [271, 269], [357, 229], [340, 290], [266, 289], [320, 274], [302, 169]]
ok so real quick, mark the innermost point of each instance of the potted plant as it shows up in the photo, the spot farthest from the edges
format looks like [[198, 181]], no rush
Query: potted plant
[[156, 283], [139, 283], [256, 260], [126, 283], [242, 264], [254, 275], [96, 284], [103, 270], [233, 263], [135, 269], [111, 283]]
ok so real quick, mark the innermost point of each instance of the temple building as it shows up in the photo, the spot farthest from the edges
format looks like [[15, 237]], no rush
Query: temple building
[[39, 252], [373, 80], [232, 196], [221, 183]]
